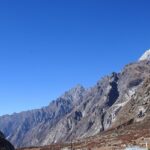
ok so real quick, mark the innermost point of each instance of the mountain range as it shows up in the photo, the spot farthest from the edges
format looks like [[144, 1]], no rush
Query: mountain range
[[80, 113]]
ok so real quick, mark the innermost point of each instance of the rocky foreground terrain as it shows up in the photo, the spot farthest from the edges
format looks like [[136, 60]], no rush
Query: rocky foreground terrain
[[114, 139], [113, 113], [4, 144]]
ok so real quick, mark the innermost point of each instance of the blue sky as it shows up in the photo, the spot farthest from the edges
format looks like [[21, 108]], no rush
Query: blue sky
[[49, 46]]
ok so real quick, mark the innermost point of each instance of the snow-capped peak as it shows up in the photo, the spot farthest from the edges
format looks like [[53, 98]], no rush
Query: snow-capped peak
[[145, 56]]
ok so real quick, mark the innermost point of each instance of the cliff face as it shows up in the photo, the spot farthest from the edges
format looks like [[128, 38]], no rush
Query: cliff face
[[138, 108], [84, 112]]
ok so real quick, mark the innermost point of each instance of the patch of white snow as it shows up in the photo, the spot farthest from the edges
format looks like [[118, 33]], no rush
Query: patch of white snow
[[145, 56]]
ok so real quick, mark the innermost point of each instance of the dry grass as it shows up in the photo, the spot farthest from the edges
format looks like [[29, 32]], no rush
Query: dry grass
[[114, 139]]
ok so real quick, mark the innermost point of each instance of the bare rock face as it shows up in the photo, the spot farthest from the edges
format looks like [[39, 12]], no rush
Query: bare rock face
[[81, 112], [138, 108], [4, 144]]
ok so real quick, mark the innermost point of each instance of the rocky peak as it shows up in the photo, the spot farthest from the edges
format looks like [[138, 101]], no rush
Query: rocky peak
[[145, 56], [77, 88], [114, 77], [75, 93]]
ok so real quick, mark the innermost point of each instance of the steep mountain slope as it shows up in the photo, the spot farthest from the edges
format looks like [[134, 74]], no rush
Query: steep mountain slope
[[101, 104], [32, 125], [131, 127], [80, 112], [138, 108]]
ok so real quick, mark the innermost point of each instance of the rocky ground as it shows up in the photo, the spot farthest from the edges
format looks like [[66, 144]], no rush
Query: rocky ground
[[127, 134]]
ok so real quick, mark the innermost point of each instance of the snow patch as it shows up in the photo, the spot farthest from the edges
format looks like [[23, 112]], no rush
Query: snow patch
[[130, 93], [145, 56]]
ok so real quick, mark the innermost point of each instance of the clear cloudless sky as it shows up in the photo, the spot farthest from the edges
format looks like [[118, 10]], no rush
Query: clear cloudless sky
[[49, 46]]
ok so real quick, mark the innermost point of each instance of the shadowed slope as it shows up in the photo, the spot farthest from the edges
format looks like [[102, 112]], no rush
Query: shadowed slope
[[4, 144]]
